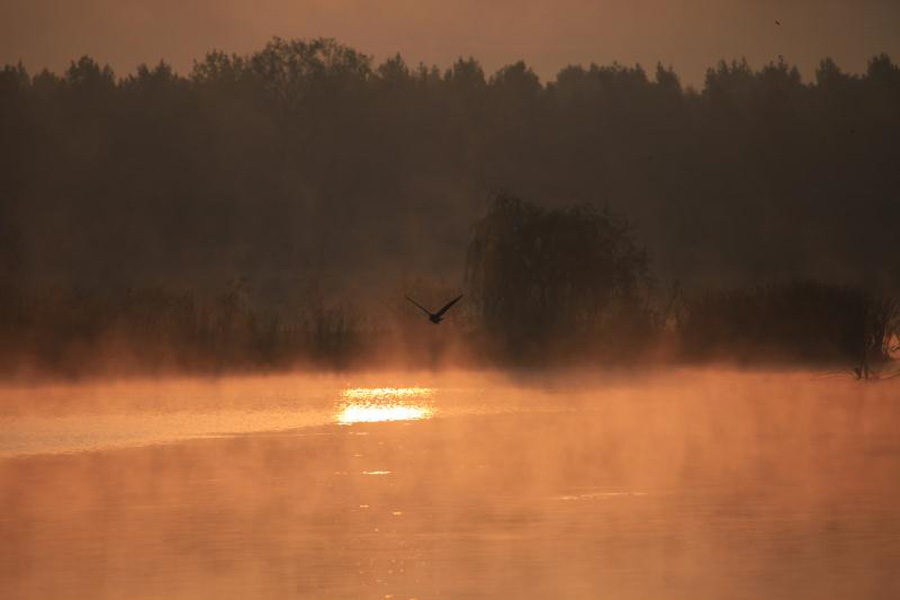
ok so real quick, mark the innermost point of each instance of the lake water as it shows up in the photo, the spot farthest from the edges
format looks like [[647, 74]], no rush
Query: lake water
[[677, 484]]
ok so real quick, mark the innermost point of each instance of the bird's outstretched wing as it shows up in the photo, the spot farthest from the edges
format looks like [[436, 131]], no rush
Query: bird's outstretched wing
[[426, 311], [448, 305]]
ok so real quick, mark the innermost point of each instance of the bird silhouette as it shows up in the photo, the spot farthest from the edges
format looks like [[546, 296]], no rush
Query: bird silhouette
[[435, 317]]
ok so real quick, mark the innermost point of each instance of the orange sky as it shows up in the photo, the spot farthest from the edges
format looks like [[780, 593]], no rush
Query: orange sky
[[689, 34]]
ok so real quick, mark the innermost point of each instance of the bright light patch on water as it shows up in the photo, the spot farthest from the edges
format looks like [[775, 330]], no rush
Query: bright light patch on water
[[372, 413], [386, 393], [374, 405]]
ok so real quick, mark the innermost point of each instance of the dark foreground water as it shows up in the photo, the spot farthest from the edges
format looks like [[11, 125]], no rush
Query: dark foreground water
[[688, 485]]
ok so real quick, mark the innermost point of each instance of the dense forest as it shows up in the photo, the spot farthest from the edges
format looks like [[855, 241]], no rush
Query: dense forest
[[321, 185]]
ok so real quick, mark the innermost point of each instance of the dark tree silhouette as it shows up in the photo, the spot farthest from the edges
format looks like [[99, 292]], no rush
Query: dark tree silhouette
[[805, 321], [538, 276], [305, 161]]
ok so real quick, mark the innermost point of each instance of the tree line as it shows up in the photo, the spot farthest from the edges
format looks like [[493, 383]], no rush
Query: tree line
[[306, 155], [327, 181]]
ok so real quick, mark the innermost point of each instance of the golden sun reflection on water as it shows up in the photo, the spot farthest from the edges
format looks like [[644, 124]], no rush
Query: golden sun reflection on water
[[386, 393], [373, 405]]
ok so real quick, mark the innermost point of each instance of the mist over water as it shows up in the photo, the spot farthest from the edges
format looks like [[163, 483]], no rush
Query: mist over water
[[676, 484], [347, 300]]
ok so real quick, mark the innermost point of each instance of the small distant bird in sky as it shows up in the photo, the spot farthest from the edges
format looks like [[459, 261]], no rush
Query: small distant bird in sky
[[777, 22], [438, 316]]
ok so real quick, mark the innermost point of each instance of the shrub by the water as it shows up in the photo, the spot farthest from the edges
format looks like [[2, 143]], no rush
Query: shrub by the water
[[550, 282], [72, 332], [799, 321]]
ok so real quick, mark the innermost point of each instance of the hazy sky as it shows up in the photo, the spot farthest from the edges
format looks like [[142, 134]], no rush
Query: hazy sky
[[689, 34]]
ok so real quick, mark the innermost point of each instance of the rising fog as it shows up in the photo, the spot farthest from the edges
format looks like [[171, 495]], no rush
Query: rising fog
[[288, 198], [225, 372], [681, 485]]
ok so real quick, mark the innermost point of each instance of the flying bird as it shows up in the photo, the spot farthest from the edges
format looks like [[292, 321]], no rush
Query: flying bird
[[438, 316]]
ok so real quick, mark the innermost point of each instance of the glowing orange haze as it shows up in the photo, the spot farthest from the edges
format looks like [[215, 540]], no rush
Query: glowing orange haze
[[680, 484], [689, 34]]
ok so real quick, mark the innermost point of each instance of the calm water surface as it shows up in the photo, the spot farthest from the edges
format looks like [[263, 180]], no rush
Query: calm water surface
[[675, 485]]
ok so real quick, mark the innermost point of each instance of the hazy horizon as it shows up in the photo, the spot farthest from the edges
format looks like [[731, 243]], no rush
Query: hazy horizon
[[689, 35]]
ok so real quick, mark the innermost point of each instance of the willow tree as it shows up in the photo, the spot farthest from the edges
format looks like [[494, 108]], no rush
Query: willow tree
[[539, 276]]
